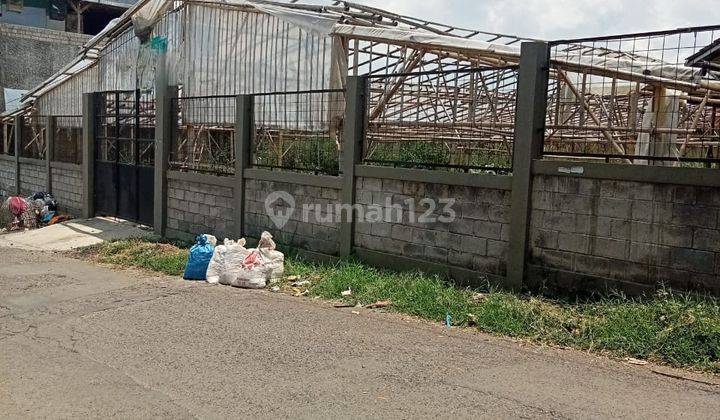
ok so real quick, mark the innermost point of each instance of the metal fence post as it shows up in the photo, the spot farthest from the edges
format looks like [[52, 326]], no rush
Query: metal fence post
[[353, 137], [88, 152], [18, 148], [244, 130], [529, 134], [49, 151]]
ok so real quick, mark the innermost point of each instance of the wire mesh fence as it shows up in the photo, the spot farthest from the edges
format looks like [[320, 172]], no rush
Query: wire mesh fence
[[125, 128], [7, 137], [299, 131], [203, 140], [67, 139], [644, 98], [460, 120], [32, 137]]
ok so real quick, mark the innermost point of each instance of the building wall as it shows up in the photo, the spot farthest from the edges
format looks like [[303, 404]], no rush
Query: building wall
[[311, 230], [31, 55], [33, 176], [34, 13], [477, 239], [67, 187], [199, 207], [633, 235], [586, 234], [7, 176]]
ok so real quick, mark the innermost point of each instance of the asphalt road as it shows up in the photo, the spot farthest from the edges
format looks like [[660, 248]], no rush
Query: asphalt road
[[80, 340]]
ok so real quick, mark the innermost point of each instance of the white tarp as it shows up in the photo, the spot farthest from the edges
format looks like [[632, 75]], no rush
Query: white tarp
[[222, 51], [230, 52], [12, 98]]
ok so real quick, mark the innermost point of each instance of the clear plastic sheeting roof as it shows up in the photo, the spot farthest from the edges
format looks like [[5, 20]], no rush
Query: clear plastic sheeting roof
[[235, 52], [231, 47]]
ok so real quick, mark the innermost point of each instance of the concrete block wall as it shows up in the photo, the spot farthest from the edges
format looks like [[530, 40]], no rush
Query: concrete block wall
[[476, 239], [633, 235], [7, 176], [196, 207], [307, 229], [33, 176], [31, 55], [67, 187]]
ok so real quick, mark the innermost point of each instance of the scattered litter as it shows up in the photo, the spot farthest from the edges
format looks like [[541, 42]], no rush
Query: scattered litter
[[448, 320], [344, 305], [378, 304], [39, 209], [199, 259], [355, 312], [292, 278], [472, 320], [300, 283], [275, 289], [347, 292], [479, 296], [634, 361]]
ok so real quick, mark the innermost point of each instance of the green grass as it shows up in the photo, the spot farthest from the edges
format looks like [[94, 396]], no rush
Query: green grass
[[670, 328], [161, 257]]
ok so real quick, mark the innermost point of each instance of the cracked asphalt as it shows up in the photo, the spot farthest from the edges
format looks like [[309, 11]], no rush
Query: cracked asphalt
[[81, 340]]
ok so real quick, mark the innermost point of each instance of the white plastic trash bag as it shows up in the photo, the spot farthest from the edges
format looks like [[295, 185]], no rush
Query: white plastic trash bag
[[274, 260], [228, 254], [250, 274], [233, 264]]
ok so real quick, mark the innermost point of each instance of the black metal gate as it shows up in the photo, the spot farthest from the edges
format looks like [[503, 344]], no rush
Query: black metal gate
[[125, 155]]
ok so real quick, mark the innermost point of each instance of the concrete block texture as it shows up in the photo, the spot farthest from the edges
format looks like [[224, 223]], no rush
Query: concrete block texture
[[196, 208], [67, 189], [635, 232], [7, 177], [314, 221], [458, 225], [32, 177]]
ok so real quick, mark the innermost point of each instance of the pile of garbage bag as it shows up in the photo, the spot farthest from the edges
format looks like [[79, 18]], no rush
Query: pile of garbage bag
[[37, 210], [234, 265]]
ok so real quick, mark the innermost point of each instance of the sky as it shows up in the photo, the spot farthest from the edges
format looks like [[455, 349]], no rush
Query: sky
[[559, 19]]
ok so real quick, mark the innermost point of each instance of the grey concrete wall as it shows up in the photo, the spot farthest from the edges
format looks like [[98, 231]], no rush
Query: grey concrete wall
[[592, 234], [477, 239], [67, 188], [31, 55], [32, 16], [317, 232], [198, 207], [7, 176], [33, 176]]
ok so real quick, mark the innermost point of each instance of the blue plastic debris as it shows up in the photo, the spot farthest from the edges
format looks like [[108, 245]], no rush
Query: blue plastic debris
[[200, 255]]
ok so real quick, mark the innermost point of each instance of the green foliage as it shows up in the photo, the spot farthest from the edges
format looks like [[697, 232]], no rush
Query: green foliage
[[430, 153], [671, 328], [412, 152], [675, 329], [162, 257], [316, 155]]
